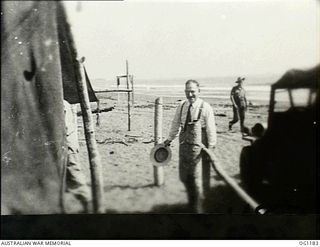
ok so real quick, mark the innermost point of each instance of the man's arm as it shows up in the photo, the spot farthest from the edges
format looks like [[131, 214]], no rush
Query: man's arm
[[210, 126], [175, 126], [232, 98], [245, 98]]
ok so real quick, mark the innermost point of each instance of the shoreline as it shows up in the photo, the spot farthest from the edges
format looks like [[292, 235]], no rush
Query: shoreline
[[168, 99]]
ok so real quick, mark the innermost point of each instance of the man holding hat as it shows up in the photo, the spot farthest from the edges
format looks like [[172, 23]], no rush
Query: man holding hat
[[195, 123], [239, 104]]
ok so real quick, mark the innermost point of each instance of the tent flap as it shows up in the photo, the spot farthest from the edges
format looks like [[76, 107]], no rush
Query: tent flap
[[36, 58]]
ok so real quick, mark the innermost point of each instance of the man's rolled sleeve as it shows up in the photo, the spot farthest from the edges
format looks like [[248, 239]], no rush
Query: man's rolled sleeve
[[175, 125], [211, 126]]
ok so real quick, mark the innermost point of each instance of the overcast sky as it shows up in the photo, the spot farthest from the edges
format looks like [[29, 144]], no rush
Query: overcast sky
[[169, 39]]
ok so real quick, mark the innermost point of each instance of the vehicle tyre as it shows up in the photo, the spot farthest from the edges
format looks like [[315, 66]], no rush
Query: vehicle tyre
[[249, 173]]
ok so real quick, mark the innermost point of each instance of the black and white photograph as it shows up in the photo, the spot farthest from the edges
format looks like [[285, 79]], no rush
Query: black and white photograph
[[160, 119]]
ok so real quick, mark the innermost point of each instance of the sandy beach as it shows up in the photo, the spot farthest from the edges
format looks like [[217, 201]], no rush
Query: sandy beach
[[125, 156]]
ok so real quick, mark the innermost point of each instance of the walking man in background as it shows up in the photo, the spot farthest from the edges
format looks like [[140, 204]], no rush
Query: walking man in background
[[239, 105], [194, 120]]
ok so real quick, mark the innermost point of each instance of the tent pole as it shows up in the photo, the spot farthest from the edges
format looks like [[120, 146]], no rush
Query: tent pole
[[94, 157]]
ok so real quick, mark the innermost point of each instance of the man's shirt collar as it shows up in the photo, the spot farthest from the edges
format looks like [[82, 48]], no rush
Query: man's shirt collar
[[196, 103]]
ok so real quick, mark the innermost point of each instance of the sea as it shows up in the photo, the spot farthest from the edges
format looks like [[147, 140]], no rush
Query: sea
[[257, 87]]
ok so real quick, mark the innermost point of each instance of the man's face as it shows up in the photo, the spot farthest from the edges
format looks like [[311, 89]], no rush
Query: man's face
[[192, 92]]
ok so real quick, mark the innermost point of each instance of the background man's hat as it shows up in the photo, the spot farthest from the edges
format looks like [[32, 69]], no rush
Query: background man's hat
[[160, 155], [240, 79]]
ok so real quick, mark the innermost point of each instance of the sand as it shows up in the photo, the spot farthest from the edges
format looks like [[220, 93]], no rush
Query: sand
[[128, 175]]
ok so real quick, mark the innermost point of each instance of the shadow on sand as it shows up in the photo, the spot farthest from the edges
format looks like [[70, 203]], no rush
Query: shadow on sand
[[220, 199]]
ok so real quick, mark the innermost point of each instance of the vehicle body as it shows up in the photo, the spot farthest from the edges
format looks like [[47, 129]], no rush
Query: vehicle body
[[280, 168]]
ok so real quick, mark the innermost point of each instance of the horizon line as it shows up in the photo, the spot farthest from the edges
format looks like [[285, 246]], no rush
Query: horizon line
[[193, 77]]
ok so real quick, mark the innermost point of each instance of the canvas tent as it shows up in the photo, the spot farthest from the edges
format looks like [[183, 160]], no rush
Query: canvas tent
[[38, 70]]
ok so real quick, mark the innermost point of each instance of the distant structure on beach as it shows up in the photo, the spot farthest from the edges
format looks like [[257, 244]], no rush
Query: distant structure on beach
[[129, 90]]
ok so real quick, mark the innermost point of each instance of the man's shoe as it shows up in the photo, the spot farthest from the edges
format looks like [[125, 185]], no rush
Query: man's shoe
[[230, 126]]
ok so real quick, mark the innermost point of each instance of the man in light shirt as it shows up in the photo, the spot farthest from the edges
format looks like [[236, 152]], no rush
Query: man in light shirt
[[76, 181], [194, 122]]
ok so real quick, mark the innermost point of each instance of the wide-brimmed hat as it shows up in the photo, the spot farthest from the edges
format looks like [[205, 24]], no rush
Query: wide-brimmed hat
[[160, 155], [240, 80]]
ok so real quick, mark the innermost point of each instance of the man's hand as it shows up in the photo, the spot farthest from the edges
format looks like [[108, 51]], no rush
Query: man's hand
[[167, 143]]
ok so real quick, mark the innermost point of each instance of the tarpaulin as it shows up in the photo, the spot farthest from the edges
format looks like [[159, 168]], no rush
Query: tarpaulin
[[37, 65], [69, 65]]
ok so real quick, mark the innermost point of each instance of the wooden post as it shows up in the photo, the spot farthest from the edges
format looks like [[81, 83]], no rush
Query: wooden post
[[129, 110], [94, 157], [132, 88], [158, 171], [118, 84], [98, 113]]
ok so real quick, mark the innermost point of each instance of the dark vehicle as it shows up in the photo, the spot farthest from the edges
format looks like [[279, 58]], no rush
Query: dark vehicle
[[280, 168]]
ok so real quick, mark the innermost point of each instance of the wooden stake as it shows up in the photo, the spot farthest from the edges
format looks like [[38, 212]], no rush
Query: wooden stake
[[129, 110], [94, 157], [158, 171], [98, 113], [132, 90], [118, 84]]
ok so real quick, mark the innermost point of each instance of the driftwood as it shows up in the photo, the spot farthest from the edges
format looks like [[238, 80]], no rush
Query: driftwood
[[98, 111], [147, 142], [110, 141], [125, 141], [220, 114], [131, 135]]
